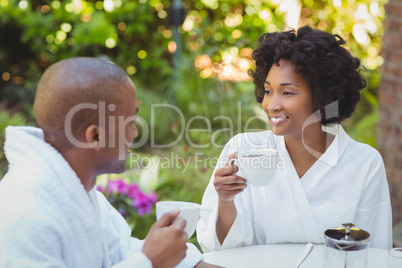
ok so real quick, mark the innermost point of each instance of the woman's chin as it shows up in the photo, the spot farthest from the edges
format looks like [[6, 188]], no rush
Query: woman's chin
[[276, 131]]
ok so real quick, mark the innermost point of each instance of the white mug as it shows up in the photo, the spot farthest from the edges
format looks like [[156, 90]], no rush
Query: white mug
[[188, 211], [395, 258], [257, 166]]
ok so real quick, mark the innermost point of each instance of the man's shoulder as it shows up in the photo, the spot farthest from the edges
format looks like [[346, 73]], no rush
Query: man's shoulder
[[24, 199], [24, 215]]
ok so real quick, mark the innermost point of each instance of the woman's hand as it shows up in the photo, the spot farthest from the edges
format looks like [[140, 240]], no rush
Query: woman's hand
[[226, 183]]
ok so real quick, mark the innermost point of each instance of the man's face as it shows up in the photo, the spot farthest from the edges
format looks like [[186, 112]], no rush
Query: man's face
[[120, 132]]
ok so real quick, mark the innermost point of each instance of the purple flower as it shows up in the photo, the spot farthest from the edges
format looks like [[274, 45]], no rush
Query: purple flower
[[116, 186], [99, 188], [152, 197], [131, 193], [132, 190], [143, 203]]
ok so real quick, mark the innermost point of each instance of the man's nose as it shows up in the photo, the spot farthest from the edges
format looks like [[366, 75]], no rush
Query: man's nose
[[135, 131]]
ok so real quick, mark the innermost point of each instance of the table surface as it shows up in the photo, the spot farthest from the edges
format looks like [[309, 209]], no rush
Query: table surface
[[282, 256]]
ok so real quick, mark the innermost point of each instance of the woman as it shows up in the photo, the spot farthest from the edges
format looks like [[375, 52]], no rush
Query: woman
[[307, 83]]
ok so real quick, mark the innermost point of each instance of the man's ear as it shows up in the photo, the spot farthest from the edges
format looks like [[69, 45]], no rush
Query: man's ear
[[92, 136]]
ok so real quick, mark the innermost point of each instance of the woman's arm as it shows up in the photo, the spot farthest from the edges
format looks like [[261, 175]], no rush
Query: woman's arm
[[222, 212], [374, 212], [227, 185]]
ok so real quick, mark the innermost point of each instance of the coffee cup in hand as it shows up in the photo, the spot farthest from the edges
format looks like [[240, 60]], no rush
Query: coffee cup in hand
[[188, 211], [257, 166]]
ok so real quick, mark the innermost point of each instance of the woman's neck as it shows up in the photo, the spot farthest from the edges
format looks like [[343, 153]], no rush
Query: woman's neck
[[308, 147]]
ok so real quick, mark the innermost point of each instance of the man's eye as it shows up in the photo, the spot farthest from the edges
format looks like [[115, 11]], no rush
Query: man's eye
[[133, 120]]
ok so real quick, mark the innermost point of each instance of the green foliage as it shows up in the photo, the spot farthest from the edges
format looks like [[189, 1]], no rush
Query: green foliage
[[7, 120], [180, 173], [211, 109], [360, 24], [139, 37], [362, 126], [59, 29]]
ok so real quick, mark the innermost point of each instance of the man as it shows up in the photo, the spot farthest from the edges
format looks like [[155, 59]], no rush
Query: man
[[50, 213]]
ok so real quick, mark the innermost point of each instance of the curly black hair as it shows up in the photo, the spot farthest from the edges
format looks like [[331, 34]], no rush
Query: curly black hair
[[332, 72]]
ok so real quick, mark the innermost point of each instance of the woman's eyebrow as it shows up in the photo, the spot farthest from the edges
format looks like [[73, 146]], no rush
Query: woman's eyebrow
[[284, 84]]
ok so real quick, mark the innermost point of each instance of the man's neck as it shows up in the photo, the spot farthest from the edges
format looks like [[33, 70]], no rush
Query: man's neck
[[81, 165], [77, 158]]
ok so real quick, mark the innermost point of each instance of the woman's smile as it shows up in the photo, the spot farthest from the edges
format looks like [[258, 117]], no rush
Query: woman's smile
[[288, 100], [277, 120]]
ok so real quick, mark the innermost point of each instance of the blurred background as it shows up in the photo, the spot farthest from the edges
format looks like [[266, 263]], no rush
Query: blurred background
[[190, 54]]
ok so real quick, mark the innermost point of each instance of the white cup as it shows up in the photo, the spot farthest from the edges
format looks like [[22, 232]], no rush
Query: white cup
[[257, 166], [188, 211], [395, 258]]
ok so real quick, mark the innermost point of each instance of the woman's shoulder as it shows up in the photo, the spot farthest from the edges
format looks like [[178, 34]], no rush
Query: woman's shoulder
[[363, 150], [363, 155]]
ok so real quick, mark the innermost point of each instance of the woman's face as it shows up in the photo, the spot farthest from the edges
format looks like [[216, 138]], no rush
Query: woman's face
[[288, 99]]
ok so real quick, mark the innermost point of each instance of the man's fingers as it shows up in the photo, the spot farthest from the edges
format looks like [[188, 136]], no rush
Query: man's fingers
[[168, 218], [179, 224]]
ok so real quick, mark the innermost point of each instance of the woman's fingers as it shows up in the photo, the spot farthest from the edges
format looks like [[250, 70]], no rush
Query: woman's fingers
[[227, 170], [231, 182]]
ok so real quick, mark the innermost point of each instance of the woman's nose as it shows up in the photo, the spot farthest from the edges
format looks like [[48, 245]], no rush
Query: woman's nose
[[273, 103]]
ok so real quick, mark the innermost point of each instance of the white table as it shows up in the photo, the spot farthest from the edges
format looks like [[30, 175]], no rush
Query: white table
[[282, 256]]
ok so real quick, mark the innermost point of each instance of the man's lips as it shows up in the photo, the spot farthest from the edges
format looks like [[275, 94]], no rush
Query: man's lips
[[276, 120]]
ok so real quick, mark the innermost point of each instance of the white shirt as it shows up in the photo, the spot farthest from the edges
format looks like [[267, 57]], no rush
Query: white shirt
[[346, 184], [48, 219]]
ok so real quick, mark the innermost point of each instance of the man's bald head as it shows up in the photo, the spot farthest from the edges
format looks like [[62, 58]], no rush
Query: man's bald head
[[71, 82]]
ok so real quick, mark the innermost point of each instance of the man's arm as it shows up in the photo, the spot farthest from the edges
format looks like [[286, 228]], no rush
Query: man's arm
[[165, 244], [29, 243]]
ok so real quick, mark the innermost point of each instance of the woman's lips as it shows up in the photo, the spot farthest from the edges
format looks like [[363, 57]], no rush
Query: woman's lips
[[277, 120]]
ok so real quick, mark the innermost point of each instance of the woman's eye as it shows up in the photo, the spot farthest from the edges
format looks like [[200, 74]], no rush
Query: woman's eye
[[287, 93], [267, 91]]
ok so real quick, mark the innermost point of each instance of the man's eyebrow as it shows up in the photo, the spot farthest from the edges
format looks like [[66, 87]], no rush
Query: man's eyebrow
[[284, 84]]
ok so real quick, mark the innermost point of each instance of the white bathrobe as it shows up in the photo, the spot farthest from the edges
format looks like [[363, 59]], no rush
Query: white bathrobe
[[47, 219], [346, 184]]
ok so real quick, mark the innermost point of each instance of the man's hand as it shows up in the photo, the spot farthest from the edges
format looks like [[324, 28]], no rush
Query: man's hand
[[202, 264], [165, 244]]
